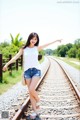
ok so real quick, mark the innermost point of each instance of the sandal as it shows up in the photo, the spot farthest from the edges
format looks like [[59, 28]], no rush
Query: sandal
[[32, 116]]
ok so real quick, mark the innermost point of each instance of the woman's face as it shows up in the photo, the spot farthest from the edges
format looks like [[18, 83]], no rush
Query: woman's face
[[33, 41]]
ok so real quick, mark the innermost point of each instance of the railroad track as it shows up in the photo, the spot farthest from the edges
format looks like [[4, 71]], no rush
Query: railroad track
[[60, 99]]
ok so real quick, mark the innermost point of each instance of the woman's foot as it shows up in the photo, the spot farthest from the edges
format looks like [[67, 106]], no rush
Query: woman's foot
[[33, 115]]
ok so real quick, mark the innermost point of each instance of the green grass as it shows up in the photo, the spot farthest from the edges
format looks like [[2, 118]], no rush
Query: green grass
[[68, 61], [9, 81]]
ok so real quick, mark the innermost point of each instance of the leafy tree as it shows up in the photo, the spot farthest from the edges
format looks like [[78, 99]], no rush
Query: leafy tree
[[77, 43], [42, 52], [49, 51], [4, 44], [12, 49], [69, 46], [62, 50], [16, 41], [78, 53], [72, 52]]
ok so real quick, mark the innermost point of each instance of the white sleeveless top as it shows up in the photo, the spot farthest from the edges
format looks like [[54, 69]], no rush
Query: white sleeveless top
[[30, 58]]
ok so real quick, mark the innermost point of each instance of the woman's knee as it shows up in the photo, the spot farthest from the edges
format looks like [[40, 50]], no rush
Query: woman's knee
[[31, 90]]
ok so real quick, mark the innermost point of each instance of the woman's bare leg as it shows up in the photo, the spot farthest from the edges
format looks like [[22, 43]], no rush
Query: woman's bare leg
[[32, 86], [32, 99]]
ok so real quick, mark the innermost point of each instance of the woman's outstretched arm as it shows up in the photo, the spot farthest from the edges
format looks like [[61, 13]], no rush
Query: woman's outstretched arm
[[13, 59], [43, 46]]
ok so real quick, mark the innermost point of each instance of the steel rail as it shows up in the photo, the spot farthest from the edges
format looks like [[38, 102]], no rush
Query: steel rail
[[69, 78], [25, 104]]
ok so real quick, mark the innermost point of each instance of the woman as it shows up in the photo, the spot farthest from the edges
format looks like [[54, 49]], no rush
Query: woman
[[32, 72]]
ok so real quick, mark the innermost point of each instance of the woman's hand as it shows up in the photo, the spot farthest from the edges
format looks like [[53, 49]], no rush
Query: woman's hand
[[5, 68]]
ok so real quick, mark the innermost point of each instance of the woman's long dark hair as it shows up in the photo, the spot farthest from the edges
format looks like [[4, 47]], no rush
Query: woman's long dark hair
[[31, 36]]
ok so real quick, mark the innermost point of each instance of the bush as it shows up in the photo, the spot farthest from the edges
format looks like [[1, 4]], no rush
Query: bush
[[62, 50], [78, 54], [72, 52]]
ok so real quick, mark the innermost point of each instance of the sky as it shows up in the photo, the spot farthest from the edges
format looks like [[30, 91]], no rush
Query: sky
[[51, 19]]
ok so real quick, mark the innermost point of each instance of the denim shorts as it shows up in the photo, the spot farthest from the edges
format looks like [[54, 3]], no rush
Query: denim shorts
[[31, 72]]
